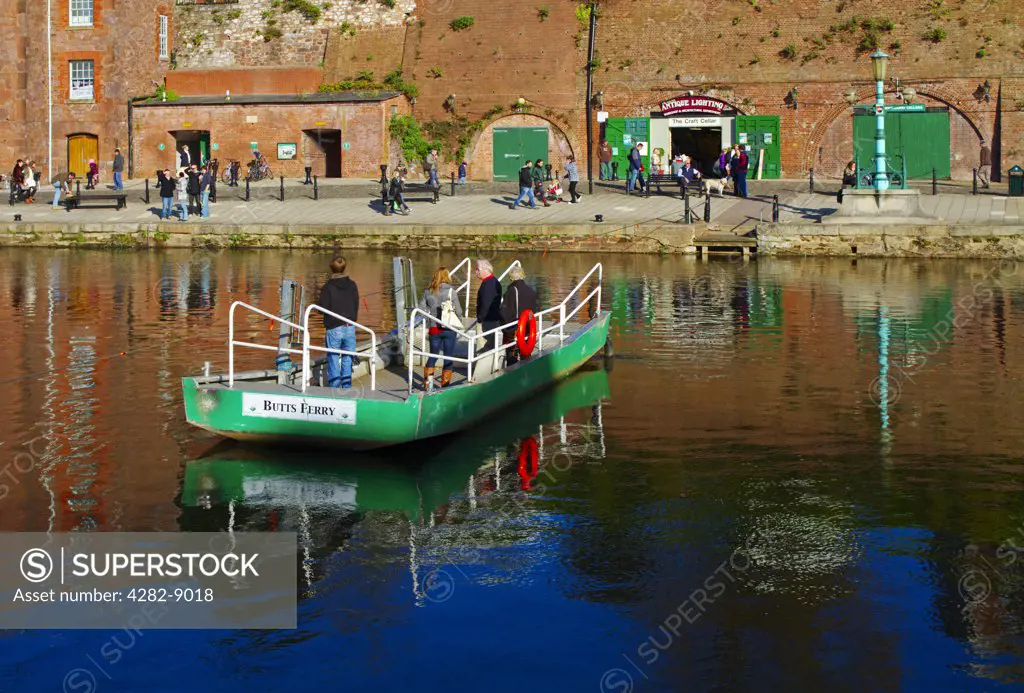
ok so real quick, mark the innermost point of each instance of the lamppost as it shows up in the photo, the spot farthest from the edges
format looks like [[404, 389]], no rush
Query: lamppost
[[879, 61]]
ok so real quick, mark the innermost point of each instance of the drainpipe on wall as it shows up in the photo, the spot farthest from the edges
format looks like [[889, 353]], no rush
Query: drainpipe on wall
[[49, 96], [131, 137], [590, 98]]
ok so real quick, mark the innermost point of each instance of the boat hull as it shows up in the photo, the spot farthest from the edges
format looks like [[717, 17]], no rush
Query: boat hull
[[378, 423]]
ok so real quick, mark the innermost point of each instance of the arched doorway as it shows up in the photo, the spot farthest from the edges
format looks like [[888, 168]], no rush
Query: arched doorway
[[505, 144], [82, 146]]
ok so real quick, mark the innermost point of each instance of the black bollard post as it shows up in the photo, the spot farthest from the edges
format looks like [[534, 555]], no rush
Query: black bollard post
[[78, 188], [974, 186], [812, 180], [247, 188], [316, 189], [707, 208], [775, 209], [309, 170], [282, 188], [615, 170], [935, 182], [213, 189], [686, 206], [453, 184], [147, 191]]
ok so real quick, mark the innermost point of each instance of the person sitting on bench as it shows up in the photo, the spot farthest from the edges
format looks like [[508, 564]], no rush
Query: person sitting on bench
[[689, 176]]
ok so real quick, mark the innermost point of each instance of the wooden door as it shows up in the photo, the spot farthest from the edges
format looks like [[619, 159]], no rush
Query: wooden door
[[81, 148]]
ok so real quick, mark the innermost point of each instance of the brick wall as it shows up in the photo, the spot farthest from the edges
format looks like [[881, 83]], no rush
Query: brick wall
[[123, 43], [233, 35], [270, 80], [231, 129], [480, 154]]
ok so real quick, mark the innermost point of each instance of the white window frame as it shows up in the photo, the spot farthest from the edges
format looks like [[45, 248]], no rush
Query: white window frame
[[165, 42], [82, 80], [81, 12]]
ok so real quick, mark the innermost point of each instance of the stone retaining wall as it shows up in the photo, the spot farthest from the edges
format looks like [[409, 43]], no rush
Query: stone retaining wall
[[905, 240]]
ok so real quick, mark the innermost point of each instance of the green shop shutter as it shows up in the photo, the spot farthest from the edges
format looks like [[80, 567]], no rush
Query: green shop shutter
[[920, 139], [621, 134], [513, 146], [763, 142]]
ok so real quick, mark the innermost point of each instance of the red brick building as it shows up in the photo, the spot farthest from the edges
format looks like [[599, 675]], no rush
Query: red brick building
[[74, 104]]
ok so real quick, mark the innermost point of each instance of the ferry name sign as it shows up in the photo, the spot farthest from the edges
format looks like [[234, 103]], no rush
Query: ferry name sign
[[336, 411]]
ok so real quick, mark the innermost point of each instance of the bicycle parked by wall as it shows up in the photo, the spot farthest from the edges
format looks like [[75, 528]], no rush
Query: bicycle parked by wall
[[231, 172], [259, 168]]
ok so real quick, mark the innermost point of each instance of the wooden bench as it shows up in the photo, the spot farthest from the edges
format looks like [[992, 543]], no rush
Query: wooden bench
[[412, 192], [120, 198], [658, 179]]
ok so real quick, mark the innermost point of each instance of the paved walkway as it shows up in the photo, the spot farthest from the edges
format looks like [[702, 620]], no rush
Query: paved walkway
[[488, 205]]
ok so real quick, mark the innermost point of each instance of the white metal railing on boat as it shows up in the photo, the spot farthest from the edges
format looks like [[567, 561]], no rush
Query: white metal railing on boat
[[563, 316], [515, 263], [464, 285], [232, 342], [306, 346]]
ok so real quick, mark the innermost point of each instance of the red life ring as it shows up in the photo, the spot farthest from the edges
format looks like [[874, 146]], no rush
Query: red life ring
[[529, 460], [526, 333]]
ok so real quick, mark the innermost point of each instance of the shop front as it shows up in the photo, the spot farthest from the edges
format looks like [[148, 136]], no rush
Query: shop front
[[695, 126]]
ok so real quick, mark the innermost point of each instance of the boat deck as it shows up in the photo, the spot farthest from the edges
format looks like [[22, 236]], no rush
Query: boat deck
[[392, 381]]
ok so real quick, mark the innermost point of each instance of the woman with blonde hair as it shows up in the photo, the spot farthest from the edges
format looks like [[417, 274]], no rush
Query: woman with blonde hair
[[442, 338]]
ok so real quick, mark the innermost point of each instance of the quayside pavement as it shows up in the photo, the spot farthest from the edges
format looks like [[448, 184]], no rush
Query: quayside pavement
[[355, 202]]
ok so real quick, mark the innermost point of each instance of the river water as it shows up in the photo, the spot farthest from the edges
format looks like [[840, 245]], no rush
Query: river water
[[794, 475]]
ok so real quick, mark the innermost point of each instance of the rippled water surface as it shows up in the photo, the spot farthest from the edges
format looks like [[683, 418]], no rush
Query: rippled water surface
[[794, 475]]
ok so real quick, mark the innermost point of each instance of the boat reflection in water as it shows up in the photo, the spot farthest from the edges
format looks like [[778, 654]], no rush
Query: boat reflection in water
[[435, 484]]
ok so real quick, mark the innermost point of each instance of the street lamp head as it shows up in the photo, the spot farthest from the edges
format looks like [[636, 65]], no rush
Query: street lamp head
[[879, 60], [850, 96]]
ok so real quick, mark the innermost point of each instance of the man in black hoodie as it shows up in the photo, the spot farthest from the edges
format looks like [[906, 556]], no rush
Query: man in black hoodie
[[488, 301], [340, 295], [525, 186]]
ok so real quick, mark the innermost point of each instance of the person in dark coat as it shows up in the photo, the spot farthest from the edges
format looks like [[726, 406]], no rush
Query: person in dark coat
[[525, 186], [519, 297], [195, 206], [488, 301], [340, 295], [167, 186]]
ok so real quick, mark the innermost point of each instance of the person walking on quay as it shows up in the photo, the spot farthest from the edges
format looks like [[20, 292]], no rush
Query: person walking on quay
[[520, 296], [94, 175], [182, 189], [441, 335], [463, 169], [537, 178], [167, 186], [488, 301], [738, 166], [985, 169], [205, 183], [634, 168], [525, 185], [118, 168], [431, 165], [192, 173], [340, 295], [17, 179], [395, 191], [30, 184], [184, 158], [574, 179], [604, 153]]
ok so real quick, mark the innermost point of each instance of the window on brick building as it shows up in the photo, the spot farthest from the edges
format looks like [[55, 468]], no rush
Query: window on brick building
[[83, 80], [165, 49], [81, 12]]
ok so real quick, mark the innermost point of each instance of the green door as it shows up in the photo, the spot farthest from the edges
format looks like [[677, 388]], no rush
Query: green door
[[920, 139], [513, 146], [762, 135], [622, 134]]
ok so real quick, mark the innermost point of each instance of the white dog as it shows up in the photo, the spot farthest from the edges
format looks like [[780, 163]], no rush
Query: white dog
[[714, 184]]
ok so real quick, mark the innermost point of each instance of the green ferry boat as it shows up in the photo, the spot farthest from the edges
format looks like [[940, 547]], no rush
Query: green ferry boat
[[388, 403]]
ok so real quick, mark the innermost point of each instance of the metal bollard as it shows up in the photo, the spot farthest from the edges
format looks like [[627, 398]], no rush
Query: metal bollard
[[707, 207], [213, 189], [453, 185], [247, 188], [686, 207], [316, 189], [147, 191], [78, 188], [935, 182], [812, 180], [974, 186], [282, 188], [775, 209]]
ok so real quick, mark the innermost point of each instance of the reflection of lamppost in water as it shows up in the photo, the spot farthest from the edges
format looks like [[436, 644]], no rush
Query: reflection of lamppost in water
[[879, 60], [884, 330]]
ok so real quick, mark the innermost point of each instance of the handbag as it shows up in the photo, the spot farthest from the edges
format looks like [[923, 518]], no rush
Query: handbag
[[449, 318]]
